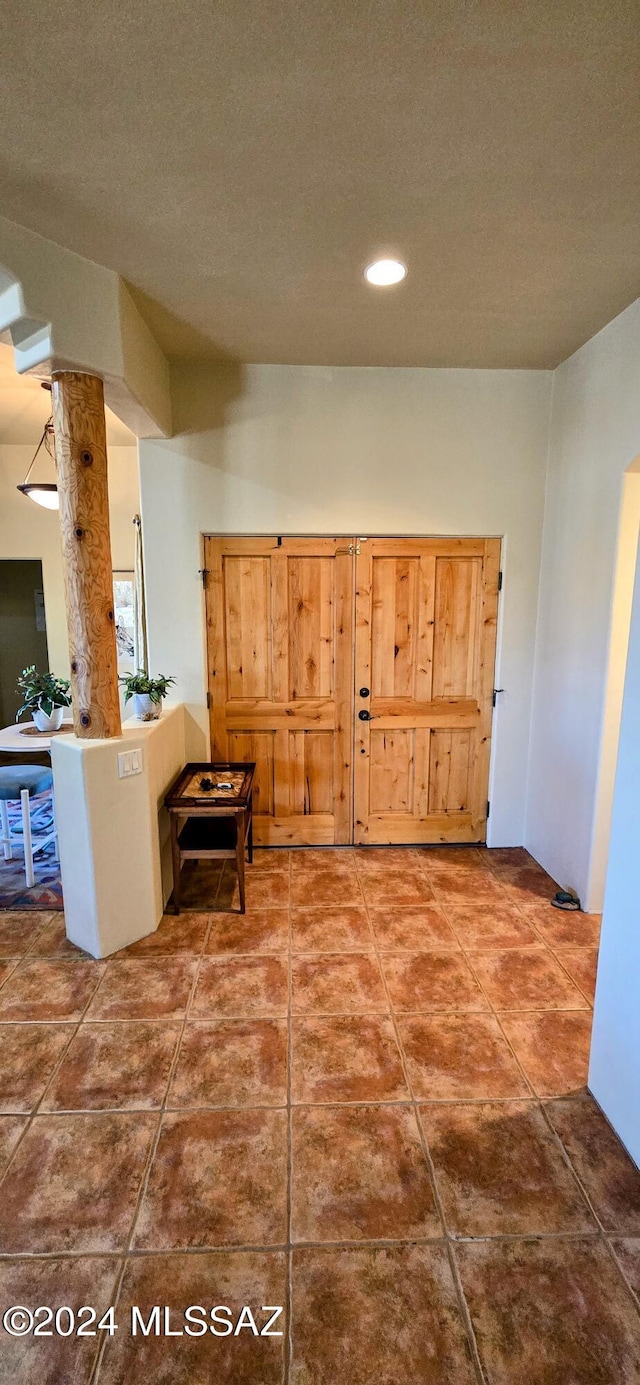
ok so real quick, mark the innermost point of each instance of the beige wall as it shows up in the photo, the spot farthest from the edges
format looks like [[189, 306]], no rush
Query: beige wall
[[594, 440], [295, 450], [29, 531]]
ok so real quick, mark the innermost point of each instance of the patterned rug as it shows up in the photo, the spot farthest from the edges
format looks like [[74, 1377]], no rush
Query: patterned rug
[[47, 891]]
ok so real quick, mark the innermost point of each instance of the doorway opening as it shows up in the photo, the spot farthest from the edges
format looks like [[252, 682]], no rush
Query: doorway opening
[[23, 628]]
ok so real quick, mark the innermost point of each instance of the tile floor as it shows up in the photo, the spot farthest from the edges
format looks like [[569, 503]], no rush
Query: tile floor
[[364, 1101]]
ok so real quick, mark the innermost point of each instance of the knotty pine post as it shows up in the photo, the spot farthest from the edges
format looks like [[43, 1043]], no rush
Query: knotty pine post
[[81, 460]]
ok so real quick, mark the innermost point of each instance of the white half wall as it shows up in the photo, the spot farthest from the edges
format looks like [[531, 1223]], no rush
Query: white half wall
[[112, 832], [594, 438], [614, 1071], [299, 450]]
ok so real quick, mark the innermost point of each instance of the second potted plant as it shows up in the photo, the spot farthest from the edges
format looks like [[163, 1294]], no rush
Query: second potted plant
[[147, 693], [45, 697]]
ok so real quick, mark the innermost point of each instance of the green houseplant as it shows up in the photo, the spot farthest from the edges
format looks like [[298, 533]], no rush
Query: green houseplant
[[45, 697], [147, 693]]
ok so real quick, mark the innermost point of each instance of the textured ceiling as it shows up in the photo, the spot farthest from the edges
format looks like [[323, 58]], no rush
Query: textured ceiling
[[240, 161], [25, 408]]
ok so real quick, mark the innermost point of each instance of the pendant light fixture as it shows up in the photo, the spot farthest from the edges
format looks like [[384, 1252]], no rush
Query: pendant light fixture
[[44, 493]]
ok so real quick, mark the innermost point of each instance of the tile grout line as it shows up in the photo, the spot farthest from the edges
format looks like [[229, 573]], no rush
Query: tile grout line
[[599, 1233], [36, 1108], [153, 1145], [459, 1291]]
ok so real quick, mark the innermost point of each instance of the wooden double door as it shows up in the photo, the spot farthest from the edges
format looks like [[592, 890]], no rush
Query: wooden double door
[[358, 674]]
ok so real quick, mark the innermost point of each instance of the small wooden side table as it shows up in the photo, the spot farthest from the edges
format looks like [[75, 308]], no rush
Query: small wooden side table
[[215, 801]]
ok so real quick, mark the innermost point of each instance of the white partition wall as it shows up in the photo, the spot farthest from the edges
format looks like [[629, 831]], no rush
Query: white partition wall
[[111, 832], [614, 1073]]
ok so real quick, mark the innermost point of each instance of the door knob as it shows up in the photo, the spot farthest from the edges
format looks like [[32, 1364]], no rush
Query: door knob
[[364, 692], [364, 716]]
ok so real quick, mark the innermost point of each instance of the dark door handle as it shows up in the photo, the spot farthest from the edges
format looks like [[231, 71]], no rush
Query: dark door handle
[[364, 692], [365, 716]]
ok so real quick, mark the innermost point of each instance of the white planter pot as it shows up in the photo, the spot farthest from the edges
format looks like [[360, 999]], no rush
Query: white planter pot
[[49, 723], [144, 709]]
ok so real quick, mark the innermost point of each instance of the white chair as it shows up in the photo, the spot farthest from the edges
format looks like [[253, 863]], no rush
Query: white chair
[[21, 783]]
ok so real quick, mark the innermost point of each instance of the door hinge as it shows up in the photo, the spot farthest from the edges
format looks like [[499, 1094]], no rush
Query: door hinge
[[488, 807], [495, 694], [204, 573], [208, 701], [499, 581]]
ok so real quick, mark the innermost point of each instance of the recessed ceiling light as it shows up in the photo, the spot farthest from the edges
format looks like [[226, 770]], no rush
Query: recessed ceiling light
[[383, 273]]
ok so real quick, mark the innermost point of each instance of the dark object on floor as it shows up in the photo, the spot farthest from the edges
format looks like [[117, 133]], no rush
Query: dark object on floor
[[566, 899]]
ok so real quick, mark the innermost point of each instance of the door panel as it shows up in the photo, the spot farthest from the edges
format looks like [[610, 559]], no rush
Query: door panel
[[425, 649], [280, 638]]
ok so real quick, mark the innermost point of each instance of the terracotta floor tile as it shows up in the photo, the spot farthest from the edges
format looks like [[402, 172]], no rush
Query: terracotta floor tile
[[360, 1173], [237, 987], [551, 1312], [364, 1315], [231, 1063], [28, 1056], [479, 926], [560, 928], [601, 1162], [217, 1178], [6, 969], [342, 983], [553, 1048], [380, 860], [49, 990], [415, 928], [118, 1066], [339, 859], [19, 929], [430, 981], [269, 858], [200, 885], [263, 930], [141, 988], [75, 1282], [396, 888], [325, 887], [500, 1172], [342, 929], [351, 1058], [519, 979], [628, 1253], [181, 933], [466, 887], [582, 965], [528, 885], [232, 1278], [459, 1056], [11, 1128], [453, 858], [53, 942], [73, 1183], [264, 890], [506, 858]]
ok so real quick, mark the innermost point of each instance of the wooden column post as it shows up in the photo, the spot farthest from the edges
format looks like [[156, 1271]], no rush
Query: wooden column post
[[81, 460]]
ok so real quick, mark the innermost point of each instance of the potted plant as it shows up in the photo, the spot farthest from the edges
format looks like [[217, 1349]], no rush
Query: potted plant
[[45, 697], [147, 693]]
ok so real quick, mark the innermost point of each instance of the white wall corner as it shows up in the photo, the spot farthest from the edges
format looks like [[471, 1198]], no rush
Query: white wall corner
[[64, 312]]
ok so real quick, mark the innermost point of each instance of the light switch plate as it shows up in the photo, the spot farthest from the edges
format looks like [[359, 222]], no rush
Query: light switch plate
[[129, 762]]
